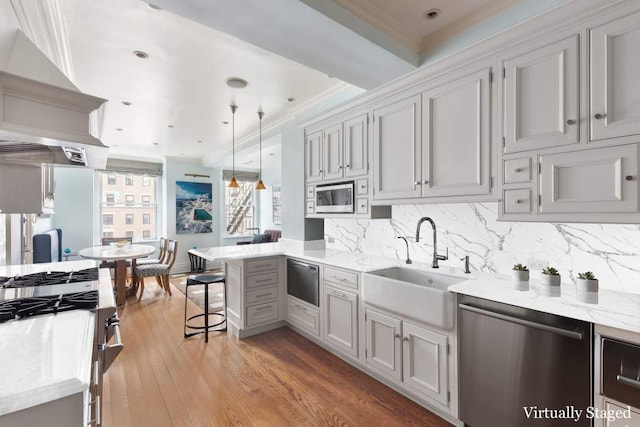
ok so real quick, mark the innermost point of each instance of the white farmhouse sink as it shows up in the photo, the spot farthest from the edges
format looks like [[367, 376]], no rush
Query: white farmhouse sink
[[414, 293]]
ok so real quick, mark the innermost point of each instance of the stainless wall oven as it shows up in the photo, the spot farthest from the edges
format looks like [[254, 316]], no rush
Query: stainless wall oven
[[335, 198]]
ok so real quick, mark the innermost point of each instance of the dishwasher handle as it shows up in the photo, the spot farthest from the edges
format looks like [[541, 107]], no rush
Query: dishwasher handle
[[547, 328], [303, 265], [628, 381]]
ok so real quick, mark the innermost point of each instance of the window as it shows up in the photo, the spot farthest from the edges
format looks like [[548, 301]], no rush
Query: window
[[107, 234], [239, 208], [146, 181], [131, 209], [128, 233], [107, 219]]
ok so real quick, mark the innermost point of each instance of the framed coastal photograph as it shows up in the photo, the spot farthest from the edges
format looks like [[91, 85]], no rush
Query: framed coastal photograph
[[193, 207]]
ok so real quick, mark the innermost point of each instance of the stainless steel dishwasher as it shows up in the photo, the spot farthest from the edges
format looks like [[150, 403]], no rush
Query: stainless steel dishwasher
[[302, 281], [515, 362]]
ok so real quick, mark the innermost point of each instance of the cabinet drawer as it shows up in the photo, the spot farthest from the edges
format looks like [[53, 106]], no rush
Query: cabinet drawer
[[344, 278], [260, 265], [517, 201], [265, 279], [261, 295], [362, 206], [310, 192], [362, 187], [262, 313], [310, 209], [517, 170], [303, 316]]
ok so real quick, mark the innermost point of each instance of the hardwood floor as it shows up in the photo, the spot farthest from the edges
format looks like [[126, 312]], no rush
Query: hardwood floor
[[275, 379]]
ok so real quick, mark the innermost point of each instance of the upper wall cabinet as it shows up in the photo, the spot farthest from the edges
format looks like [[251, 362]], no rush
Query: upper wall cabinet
[[456, 137], [397, 148], [338, 151], [615, 87], [434, 144], [541, 89]]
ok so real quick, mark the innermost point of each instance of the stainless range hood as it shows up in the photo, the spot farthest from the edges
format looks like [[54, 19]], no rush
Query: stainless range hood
[[42, 122]]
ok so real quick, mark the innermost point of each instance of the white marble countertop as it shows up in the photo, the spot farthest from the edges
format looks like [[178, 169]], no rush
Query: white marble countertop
[[22, 269], [44, 358], [608, 308]]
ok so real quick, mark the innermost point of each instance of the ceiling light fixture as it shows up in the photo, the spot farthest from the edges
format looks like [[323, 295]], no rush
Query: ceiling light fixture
[[225, 122], [153, 6], [127, 103], [260, 184], [431, 14], [140, 54], [234, 182], [291, 99], [170, 126], [119, 129], [237, 83], [155, 143]]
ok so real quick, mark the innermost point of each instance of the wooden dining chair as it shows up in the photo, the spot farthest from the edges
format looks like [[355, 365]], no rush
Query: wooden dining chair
[[146, 261], [161, 270]]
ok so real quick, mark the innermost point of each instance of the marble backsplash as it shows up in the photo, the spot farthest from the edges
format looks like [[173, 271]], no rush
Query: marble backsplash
[[611, 251]]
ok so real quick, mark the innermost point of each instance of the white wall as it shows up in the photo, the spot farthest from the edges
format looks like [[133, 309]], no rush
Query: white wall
[[271, 175], [611, 251], [175, 171], [74, 206]]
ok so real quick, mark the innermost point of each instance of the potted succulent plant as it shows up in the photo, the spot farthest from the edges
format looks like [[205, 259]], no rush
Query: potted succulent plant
[[587, 282], [550, 277], [520, 273]]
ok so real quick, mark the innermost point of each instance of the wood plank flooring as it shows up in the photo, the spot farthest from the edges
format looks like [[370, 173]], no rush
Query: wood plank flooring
[[275, 379]]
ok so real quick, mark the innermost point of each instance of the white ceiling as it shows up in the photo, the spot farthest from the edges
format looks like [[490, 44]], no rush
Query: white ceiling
[[182, 83]]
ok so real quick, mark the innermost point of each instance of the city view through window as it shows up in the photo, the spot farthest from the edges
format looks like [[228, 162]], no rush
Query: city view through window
[[129, 206]]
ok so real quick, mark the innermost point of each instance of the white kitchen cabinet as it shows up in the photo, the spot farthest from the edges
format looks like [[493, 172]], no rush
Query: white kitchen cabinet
[[313, 156], [36, 192], [614, 88], [456, 137], [397, 146], [332, 152], [340, 319], [412, 355], [541, 95], [356, 146], [621, 421], [602, 180], [303, 315]]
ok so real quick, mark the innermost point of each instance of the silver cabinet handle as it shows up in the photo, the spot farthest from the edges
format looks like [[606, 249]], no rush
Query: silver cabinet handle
[[264, 308], [263, 280], [576, 335], [263, 295], [425, 182], [628, 381], [112, 351], [629, 177], [571, 122], [599, 116], [339, 167], [347, 166], [362, 187], [338, 294], [363, 206], [396, 336], [342, 279], [517, 201], [300, 307], [404, 339], [417, 183], [516, 170]]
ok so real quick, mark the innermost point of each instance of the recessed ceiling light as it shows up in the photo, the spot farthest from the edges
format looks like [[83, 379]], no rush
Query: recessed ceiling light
[[170, 126], [431, 14], [114, 145], [271, 154], [153, 6], [119, 129], [224, 122], [199, 141], [182, 154], [127, 103], [291, 99], [140, 54], [237, 83], [155, 143]]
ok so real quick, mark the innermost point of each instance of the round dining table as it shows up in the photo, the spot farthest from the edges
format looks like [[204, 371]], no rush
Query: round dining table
[[120, 256]]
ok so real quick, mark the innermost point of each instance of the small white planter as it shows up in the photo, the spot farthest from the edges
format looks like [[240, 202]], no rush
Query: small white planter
[[587, 285], [550, 279], [520, 279]]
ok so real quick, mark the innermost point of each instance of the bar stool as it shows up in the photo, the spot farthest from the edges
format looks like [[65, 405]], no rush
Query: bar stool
[[204, 280]]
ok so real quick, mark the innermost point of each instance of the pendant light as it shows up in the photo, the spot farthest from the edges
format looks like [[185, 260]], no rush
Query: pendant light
[[260, 185], [233, 183]]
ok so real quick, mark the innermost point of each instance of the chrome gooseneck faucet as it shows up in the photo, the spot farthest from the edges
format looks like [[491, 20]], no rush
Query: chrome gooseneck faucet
[[408, 261], [436, 257]]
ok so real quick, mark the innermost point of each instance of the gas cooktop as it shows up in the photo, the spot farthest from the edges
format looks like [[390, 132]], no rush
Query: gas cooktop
[[48, 293]]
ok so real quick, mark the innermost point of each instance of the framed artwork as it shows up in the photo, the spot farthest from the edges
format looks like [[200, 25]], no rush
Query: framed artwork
[[277, 206], [193, 207]]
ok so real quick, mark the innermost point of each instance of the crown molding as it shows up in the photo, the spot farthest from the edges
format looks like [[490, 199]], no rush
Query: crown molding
[[44, 24]]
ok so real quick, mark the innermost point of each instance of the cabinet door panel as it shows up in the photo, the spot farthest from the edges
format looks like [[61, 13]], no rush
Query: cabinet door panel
[[356, 144], [456, 131], [603, 180], [383, 344], [313, 157], [542, 97], [332, 152], [615, 92], [425, 361], [341, 320], [396, 142]]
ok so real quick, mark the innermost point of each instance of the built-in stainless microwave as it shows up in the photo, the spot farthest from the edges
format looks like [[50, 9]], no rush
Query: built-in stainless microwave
[[335, 198]]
